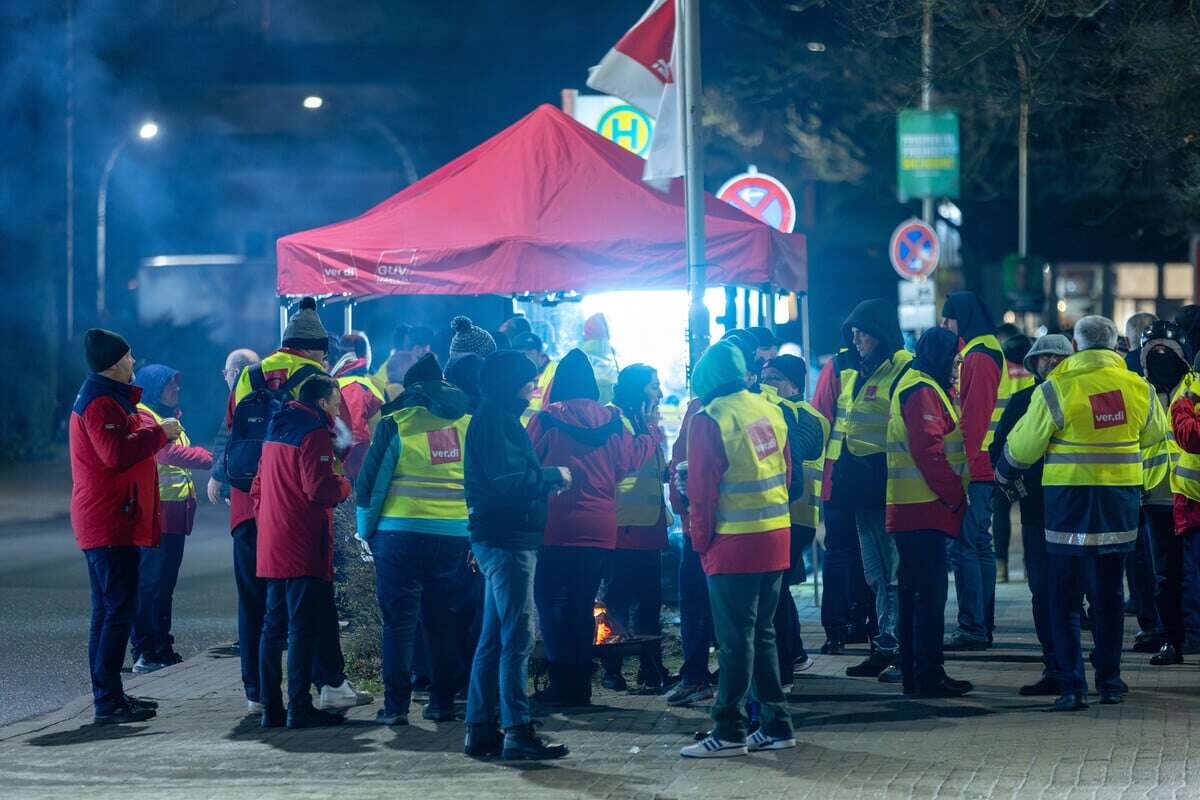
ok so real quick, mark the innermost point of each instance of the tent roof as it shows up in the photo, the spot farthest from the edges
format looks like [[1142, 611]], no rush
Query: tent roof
[[544, 205]]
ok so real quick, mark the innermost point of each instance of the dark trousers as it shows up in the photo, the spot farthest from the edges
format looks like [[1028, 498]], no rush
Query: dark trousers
[[1037, 573], [923, 588], [695, 619], [113, 573], [252, 603], [744, 607], [847, 602], [789, 646], [564, 590], [1001, 525], [420, 575], [1099, 577], [297, 615], [1190, 585], [634, 600], [1139, 571], [158, 572], [1168, 573]]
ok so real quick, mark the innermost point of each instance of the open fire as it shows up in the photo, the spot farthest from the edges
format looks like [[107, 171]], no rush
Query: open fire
[[607, 630]]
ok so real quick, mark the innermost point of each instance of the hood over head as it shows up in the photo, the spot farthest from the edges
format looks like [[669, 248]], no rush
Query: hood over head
[[879, 318], [574, 379], [721, 370], [584, 420], [936, 351], [425, 370], [152, 379], [502, 376], [972, 315]]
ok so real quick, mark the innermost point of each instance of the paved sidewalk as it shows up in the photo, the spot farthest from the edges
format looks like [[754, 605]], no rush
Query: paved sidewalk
[[858, 739]]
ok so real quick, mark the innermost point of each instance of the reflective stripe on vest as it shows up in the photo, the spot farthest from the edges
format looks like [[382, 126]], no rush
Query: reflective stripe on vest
[[806, 510], [640, 494], [753, 495], [427, 482], [1004, 389], [280, 361], [861, 420], [1185, 471], [174, 483], [905, 483]]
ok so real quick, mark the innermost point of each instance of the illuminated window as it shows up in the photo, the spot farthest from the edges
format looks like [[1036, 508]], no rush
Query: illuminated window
[[1135, 280], [1178, 282]]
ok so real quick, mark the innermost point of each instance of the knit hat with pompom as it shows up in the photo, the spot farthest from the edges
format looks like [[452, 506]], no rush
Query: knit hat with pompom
[[469, 338], [304, 330]]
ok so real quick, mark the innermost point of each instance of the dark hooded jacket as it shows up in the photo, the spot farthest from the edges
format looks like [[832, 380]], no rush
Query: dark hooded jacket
[[927, 422], [506, 485], [861, 481], [983, 368], [573, 430]]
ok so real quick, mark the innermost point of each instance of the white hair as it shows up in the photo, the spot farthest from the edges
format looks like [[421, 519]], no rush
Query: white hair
[[1136, 324], [1094, 332]]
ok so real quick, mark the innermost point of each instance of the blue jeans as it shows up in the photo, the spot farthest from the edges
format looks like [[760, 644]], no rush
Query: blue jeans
[[881, 565], [158, 572], [923, 591], [297, 609], [846, 601], [113, 573], [974, 563], [419, 575], [1037, 573], [500, 670], [1098, 576], [695, 619]]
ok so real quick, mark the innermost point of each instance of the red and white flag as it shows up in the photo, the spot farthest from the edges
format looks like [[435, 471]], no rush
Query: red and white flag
[[643, 70]]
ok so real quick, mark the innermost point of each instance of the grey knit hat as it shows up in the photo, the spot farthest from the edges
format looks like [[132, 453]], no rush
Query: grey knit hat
[[1052, 344], [304, 330], [469, 338]]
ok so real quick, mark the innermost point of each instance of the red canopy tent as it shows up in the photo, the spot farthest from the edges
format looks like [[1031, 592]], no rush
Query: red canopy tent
[[544, 205]]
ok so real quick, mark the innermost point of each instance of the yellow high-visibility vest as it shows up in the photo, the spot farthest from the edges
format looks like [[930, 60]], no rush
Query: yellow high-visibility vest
[[640, 494], [806, 510], [861, 419], [1004, 389], [1185, 467], [905, 484], [753, 496], [540, 389], [427, 482], [174, 483], [276, 362]]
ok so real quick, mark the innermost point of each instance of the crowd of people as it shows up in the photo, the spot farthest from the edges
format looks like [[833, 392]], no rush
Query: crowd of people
[[503, 496]]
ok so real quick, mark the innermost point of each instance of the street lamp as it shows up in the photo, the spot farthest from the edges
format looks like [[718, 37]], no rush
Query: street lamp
[[313, 102], [148, 130]]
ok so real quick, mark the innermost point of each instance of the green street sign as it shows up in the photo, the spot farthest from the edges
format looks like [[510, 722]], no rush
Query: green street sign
[[927, 154]]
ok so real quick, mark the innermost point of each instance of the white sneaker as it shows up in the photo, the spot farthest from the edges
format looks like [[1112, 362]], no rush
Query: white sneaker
[[253, 708], [712, 747], [144, 666], [334, 698], [760, 741], [803, 666]]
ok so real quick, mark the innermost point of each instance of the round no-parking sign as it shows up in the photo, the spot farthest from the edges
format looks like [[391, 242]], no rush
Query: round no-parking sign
[[762, 197], [914, 250]]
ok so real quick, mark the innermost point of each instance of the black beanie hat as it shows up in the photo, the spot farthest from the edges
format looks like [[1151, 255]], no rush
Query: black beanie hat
[[103, 348], [426, 370], [791, 367]]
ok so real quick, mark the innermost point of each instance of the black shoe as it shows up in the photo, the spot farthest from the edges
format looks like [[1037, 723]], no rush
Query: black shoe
[[945, 688], [1046, 687], [310, 717], [125, 715], [521, 743], [273, 718], [141, 702], [891, 675], [959, 641], [1070, 702], [1110, 697], [435, 714], [483, 741], [1146, 642], [833, 647], [614, 681], [1167, 656], [871, 667]]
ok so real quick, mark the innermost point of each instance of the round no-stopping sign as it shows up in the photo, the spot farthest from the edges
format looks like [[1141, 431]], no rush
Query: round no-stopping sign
[[763, 197], [914, 251]]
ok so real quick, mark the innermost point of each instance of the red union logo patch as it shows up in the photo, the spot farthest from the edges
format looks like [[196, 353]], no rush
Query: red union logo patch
[[870, 392], [762, 437], [1108, 409], [444, 447]]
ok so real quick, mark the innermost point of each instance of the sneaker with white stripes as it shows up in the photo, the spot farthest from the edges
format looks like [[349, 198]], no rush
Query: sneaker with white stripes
[[760, 741], [712, 747]]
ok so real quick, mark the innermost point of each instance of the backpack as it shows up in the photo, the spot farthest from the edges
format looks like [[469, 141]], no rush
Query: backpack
[[251, 417]]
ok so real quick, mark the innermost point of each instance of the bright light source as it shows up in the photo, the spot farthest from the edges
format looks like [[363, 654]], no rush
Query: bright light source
[[950, 212], [314, 101], [148, 130], [1062, 305], [816, 47]]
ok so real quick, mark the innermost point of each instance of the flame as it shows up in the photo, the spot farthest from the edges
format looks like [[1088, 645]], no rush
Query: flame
[[605, 632]]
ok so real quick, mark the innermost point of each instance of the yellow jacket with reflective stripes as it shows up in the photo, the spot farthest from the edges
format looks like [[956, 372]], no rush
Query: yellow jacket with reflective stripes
[[640, 494], [806, 510], [174, 483], [862, 416], [427, 482], [753, 495], [905, 484], [1102, 432]]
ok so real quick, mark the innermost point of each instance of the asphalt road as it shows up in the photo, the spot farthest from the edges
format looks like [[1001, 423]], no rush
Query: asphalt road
[[45, 608]]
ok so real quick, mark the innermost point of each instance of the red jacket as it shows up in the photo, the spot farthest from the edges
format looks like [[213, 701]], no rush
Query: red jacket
[[1186, 425], [362, 405], [825, 400], [927, 421], [769, 551], [643, 537], [178, 515], [978, 384], [114, 492], [590, 440], [294, 494]]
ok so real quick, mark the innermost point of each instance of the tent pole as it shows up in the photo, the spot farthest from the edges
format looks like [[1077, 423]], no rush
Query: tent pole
[[348, 316], [693, 178], [805, 340], [745, 308], [283, 316]]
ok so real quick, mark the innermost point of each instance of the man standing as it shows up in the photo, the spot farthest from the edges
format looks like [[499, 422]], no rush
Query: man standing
[[114, 510], [983, 392], [235, 362], [294, 494], [739, 468], [535, 350], [1097, 424]]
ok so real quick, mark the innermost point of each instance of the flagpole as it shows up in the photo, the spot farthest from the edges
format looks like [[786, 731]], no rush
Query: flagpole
[[688, 16]]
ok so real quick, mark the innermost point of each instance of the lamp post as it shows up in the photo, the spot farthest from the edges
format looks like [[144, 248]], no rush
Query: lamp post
[[147, 130]]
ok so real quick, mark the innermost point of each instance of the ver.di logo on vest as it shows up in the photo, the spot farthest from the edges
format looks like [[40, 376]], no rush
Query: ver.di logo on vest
[[444, 447], [762, 438], [1108, 409]]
